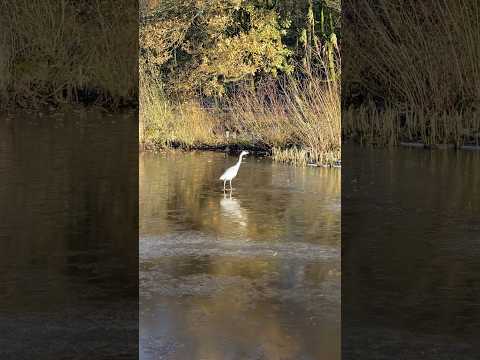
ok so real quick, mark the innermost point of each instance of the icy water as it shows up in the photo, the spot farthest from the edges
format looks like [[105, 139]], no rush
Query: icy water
[[410, 254], [248, 274], [68, 236]]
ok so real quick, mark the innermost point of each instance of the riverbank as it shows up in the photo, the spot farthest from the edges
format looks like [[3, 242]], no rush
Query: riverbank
[[234, 149], [369, 125], [292, 121], [59, 52]]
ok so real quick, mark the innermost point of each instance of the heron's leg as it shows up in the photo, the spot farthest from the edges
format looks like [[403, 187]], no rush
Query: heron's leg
[[224, 182], [230, 184]]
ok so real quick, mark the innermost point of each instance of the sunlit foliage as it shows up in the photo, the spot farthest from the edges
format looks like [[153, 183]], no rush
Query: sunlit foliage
[[207, 47]]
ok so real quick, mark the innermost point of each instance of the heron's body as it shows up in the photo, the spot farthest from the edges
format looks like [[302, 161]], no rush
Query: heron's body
[[232, 171]]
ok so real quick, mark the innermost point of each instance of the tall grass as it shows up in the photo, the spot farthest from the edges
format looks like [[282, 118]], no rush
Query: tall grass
[[297, 120], [389, 127], [165, 123], [56, 51], [301, 118], [419, 62], [419, 55]]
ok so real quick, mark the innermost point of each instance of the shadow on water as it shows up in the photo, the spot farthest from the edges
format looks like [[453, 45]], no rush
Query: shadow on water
[[68, 236], [411, 254], [250, 273]]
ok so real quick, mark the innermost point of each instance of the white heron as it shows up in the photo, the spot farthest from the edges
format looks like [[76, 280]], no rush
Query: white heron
[[232, 171]]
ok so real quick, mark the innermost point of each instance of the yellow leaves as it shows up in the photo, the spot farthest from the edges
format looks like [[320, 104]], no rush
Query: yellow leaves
[[156, 40], [236, 4], [218, 23], [225, 41], [234, 58]]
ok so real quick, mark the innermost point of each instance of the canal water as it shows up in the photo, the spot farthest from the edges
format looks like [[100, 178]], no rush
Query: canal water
[[68, 235], [410, 253], [252, 273]]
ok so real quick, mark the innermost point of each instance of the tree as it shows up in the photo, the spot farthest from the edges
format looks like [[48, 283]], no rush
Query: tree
[[203, 46]]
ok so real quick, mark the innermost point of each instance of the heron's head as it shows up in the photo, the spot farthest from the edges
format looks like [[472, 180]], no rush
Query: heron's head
[[244, 152]]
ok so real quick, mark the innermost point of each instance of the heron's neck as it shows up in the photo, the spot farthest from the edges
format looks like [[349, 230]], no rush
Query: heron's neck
[[239, 160]]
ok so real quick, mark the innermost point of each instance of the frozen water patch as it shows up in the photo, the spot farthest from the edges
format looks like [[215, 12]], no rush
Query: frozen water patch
[[199, 244]]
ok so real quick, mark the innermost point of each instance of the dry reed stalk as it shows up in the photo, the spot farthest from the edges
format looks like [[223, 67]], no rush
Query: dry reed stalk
[[389, 127], [295, 118], [57, 51], [164, 123], [397, 43]]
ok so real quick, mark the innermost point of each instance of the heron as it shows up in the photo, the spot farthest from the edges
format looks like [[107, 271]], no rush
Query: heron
[[232, 171]]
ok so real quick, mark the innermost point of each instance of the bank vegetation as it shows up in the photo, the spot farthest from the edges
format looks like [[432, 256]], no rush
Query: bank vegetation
[[412, 72], [263, 75], [55, 52]]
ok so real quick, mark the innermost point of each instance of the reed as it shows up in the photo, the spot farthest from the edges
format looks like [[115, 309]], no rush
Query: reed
[[420, 64], [390, 127], [164, 123], [299, 118], [58, 51], [422, 56], [295, 156], [298, 121], [419, 60]]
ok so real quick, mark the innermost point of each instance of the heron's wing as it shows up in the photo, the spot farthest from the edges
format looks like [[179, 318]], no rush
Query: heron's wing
[[227, 172]]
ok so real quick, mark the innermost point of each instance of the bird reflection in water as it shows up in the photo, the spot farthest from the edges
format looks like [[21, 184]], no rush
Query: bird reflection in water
[[231, 208]]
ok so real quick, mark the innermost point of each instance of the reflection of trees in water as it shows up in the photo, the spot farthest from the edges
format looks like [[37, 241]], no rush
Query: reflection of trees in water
[[243, 291], [193, 196], [250, 314], [323, 220], [273, 342], [183, 189], [245, 305]]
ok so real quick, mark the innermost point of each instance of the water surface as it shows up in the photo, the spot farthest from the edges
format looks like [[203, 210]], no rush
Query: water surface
[[68, 236], [411, 253], [249, 274]]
